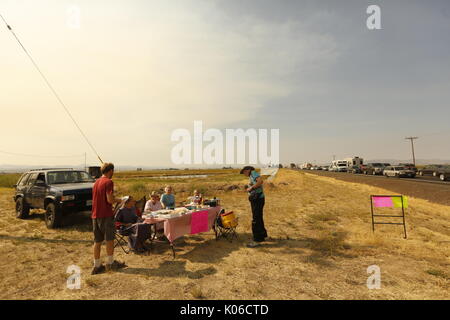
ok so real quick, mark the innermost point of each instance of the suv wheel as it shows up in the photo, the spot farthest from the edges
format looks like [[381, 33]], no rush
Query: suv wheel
[[374, 173], [442, 177], [52, 216], [22, 208], [421, 173]]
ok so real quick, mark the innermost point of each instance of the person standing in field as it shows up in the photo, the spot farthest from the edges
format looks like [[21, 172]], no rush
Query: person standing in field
[[257, 200], [103, 220]]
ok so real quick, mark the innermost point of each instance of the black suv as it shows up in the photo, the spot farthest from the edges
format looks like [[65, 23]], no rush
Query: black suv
[[58, 191], [375, 168]]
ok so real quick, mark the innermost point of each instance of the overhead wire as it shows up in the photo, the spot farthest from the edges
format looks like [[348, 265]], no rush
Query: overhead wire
[[51, 88], [41, 156]]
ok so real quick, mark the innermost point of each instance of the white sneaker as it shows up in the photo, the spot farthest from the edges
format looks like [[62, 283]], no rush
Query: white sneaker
[[253, 244]]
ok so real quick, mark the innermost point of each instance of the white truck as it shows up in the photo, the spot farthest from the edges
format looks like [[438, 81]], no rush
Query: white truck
[[306, 166], [339, 166], [345, 164]]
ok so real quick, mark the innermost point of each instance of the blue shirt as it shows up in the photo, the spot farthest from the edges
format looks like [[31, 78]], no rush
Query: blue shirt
[[168, 200], [253, 176]]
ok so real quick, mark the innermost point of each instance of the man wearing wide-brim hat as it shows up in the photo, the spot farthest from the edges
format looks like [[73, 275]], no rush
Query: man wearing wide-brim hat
[[257, 200]]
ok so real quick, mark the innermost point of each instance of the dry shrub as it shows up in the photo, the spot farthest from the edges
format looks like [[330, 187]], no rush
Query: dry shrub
[[197, 293]]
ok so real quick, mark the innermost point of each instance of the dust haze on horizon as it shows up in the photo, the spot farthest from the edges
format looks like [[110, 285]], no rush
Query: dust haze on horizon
[[135, 71]]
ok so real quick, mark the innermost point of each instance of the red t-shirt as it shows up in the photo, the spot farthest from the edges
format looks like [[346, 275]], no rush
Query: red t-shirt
[[101, 208]]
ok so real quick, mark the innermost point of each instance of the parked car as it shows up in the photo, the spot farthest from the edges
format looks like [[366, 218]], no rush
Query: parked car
[[57, 191], [325, 168], [375, 168], [436, 170], [409, 166], [354, 169], [398, 171]]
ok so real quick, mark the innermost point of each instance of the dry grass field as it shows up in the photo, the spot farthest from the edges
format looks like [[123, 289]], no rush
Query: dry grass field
[[320, 246]]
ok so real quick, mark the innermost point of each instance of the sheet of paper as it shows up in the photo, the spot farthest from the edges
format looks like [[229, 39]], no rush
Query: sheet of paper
[[380, 202]]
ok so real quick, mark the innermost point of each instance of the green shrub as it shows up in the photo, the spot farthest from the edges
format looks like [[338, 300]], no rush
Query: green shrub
[[8, 180], [138, 188]]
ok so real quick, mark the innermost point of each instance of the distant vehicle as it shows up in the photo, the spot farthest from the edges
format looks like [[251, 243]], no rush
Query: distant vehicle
[[398, 171], [57, 191], [409, 166], [354, 169], [306, 166], [339, 165], [325, 168], [355, 161], [375, 168], [436, 170]]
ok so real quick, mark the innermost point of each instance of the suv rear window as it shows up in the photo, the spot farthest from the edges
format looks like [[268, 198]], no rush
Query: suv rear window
[[58, 177]]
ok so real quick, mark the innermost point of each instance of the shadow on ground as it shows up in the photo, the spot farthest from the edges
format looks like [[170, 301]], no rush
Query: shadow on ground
[[171, 269], [76, 221], [43, 240]]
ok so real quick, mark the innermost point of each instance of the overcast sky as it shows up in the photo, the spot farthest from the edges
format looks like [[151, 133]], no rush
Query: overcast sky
[[136, 70]]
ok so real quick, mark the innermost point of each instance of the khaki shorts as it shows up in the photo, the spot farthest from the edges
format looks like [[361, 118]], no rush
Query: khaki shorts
[[104, 229]]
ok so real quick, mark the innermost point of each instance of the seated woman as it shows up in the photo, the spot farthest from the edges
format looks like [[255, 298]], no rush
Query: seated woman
[[153, 204], [131, 225], [168, 199], [197, 198]]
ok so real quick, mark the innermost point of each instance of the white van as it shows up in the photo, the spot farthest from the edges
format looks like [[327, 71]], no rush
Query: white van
[[339, 165]]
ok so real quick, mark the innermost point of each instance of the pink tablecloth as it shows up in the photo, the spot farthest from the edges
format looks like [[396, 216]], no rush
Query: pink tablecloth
[[180, 226]]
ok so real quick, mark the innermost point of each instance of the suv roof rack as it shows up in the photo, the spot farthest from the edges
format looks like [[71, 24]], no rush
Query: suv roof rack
[[45, 169]]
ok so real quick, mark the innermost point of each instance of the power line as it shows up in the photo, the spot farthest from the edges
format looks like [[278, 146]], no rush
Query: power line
[[51, 88], [40, 156]]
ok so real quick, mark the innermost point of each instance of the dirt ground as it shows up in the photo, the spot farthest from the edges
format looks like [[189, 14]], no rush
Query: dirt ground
[[320, 247]]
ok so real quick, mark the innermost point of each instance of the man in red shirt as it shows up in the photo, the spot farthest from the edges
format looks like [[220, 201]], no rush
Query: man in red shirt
[[103, 219]]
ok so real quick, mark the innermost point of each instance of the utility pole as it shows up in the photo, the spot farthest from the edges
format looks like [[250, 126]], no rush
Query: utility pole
[[85, 167], [412, 147]]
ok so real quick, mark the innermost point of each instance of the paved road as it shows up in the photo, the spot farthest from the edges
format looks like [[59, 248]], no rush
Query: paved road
[[420, 187]]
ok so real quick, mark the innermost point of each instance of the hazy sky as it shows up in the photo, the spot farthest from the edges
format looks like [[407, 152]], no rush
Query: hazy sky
[[136, 70]]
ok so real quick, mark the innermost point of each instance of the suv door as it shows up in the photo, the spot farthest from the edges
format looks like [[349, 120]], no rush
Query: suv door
[[21, 185], [27, 189], [38, 191]]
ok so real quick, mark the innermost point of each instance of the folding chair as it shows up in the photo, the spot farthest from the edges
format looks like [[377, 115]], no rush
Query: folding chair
[[225, 225], [140, 205], [119, 239]]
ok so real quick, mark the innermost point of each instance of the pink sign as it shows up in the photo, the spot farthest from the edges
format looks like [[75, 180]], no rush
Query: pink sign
[[380, 202], [199, 222]]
